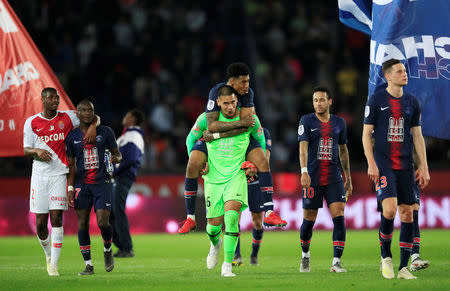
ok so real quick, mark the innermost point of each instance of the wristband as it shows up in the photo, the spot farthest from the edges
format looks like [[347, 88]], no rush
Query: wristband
[[69, 188], [304, 170], [216, 135]]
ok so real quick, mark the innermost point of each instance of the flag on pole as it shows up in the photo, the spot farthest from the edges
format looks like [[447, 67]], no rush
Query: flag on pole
[[23, 74], [417, 33]]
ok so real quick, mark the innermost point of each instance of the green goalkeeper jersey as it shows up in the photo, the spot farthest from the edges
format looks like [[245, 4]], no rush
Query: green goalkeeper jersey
[[201, 125], [225, 155]]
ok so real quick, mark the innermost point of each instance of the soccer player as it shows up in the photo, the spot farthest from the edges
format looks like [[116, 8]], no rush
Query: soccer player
[[394, 118], [43, 139], [256, 206], [90, 183], [239, 79], [131, 146], [225, 183], [322, 144]]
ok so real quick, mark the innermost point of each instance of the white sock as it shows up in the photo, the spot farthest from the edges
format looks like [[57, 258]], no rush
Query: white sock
[[46, 246], [57, 239], [88, 262], [335, 260], [106, 249], [414, 256], [268, 212], [191, 216], [305, 255]]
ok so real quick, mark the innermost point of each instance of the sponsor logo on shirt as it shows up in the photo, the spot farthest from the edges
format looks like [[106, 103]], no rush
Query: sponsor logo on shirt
[[52, 137]]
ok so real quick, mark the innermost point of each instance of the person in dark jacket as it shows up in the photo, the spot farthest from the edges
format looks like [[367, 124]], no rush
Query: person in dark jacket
[[131, 146]]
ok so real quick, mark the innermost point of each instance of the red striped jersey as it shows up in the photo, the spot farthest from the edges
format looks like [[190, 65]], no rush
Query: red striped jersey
[[392, 119], [323, 154]]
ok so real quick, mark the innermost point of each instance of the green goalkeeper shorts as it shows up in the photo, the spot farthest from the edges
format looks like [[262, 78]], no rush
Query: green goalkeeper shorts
[[217, 194]]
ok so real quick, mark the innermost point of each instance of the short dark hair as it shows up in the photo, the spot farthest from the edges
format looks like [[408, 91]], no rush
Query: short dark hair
[[387, 65], [323, 89], [48, 90], [237, 69], [85, 102], [225, 90], [138, 116]]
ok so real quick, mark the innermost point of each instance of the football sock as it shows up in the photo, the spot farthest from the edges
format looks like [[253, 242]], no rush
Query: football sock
[[385, 235], [107, 236], [85, 244], [214, 232], [237, 253], [256, 241], [231, 234], [266, 186], [57, 240], [306, 234], [190, 193], [46, 246], [416, 242], [406, 243], [338, 236]]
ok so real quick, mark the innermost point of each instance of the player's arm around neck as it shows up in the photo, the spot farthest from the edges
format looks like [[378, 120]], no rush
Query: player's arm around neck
[[423, 175], [214, 125], [372, 170], [303, 158], [92, 130]]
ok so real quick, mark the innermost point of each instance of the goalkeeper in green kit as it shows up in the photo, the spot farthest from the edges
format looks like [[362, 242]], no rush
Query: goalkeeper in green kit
[[226, 182]]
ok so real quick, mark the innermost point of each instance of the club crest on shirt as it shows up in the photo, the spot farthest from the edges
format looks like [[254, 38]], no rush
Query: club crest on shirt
[[61, 124], [98, 138], [301, 129], [210, 104]]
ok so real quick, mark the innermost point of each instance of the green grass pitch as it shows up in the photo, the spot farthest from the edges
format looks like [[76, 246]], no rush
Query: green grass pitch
[[174, 262]]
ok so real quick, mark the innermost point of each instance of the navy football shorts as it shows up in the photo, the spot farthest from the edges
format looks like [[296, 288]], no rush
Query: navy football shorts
[[252, 145], [314, 195], [97, 195], [397, 183], [200, 145]]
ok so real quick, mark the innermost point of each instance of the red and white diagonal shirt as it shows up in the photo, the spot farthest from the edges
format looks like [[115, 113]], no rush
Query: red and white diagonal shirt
[[49, 134]]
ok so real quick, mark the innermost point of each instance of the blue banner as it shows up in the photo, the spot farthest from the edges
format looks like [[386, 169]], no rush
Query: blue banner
[[417, 32]]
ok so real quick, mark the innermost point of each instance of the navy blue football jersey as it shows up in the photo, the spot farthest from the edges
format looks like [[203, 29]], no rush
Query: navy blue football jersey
[[90, 158], [243, 101], [392, 119], [323, 153]]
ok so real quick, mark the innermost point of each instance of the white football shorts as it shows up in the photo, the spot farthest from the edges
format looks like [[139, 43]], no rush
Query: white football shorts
[[48, 193]]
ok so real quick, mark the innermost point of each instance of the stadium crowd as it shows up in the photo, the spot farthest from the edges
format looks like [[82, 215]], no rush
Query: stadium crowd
[[163, 57]]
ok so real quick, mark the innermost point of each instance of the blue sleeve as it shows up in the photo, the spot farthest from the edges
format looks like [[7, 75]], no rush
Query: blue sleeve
[[370, 111], [415, 120], [343, 134], [131, 155], [69, 143], [211, 106], [247, 99], [303, 129], [268, 139]]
